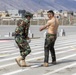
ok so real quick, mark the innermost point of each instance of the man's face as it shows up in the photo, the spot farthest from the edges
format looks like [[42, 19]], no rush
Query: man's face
[[50, 15]]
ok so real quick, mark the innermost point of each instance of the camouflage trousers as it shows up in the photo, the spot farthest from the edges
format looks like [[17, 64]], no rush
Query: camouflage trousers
[[49, 46], [23, 46]]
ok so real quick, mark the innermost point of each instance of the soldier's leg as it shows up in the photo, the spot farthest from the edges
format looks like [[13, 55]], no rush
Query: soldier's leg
[[21, 59], [18, 59], [24, 52], [26, 49]]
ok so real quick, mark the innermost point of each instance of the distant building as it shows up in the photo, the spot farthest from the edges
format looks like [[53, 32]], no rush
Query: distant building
[[74, 13], [45, 14], [64, 13], [2, 14], [57, 13]]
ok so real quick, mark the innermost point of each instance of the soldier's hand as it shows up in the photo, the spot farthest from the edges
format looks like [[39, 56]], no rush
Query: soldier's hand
[[28, 38]]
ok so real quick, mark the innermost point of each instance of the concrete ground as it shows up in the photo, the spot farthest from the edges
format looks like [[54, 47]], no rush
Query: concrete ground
[[6, 30], [65, 53]]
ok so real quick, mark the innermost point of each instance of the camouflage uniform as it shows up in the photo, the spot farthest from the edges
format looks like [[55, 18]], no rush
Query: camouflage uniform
[[49, 46], [21, 38]]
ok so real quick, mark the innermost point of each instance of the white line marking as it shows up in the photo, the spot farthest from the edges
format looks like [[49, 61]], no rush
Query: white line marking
[[11, 73], [40, 57], [8, 51], [68, 66], [26, 60], [15, 56], [74, 74], [16, 71], [56, 53], [35, 51]]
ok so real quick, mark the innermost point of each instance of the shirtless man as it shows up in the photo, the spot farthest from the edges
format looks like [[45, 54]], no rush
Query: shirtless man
[[51, 26]]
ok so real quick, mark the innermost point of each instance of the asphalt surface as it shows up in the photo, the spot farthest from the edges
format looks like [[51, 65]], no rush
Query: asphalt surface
[[65, 48]]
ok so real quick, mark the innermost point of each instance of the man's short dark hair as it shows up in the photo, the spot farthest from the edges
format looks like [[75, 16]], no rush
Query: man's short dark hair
[[50, 11]]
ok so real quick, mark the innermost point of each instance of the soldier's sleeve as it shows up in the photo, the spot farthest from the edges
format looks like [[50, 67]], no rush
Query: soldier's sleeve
[[25, 21], [19, 22]]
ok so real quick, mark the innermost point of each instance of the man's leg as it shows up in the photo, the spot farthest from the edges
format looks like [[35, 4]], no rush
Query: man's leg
[[46, 57], [52, 50], [46, 53]]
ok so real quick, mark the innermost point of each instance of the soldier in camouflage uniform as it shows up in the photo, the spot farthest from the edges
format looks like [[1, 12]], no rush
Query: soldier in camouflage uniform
[[21, 36]]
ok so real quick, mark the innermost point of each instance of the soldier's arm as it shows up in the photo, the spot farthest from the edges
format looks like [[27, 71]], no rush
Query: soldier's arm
[[24, 21], [17, 31], [26, 28], [21, 22]]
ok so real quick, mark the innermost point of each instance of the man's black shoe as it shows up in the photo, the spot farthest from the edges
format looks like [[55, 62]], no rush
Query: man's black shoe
[[53, 62]]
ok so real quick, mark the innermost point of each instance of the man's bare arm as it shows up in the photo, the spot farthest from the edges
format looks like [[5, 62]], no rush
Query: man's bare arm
[[45, 26]]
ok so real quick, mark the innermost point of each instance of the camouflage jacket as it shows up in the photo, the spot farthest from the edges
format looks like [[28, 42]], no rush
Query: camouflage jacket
[[23, 30], [26, 27]]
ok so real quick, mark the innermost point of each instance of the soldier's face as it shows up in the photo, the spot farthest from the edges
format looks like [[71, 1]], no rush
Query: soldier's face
[[28, 18]]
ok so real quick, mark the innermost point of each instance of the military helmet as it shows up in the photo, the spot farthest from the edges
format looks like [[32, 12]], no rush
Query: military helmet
[[28, 14]]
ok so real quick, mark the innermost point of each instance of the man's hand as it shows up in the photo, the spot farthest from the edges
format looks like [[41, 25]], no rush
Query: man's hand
[[42, 28], [45, 26]]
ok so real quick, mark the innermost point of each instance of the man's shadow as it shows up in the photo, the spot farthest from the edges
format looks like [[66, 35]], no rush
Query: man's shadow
[[40, 63]]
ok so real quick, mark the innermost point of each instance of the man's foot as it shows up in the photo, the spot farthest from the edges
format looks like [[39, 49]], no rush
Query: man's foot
[[18, 62], [53, 62], [45, 64]]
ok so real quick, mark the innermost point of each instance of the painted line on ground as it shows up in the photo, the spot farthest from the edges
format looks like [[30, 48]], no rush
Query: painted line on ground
[[18, 71]]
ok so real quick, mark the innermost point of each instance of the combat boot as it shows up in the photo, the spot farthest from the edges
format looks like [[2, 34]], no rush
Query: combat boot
[[23, 64], [18, 60]]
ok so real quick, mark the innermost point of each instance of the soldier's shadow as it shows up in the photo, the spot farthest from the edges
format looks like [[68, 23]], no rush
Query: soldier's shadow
[[36, 64]]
